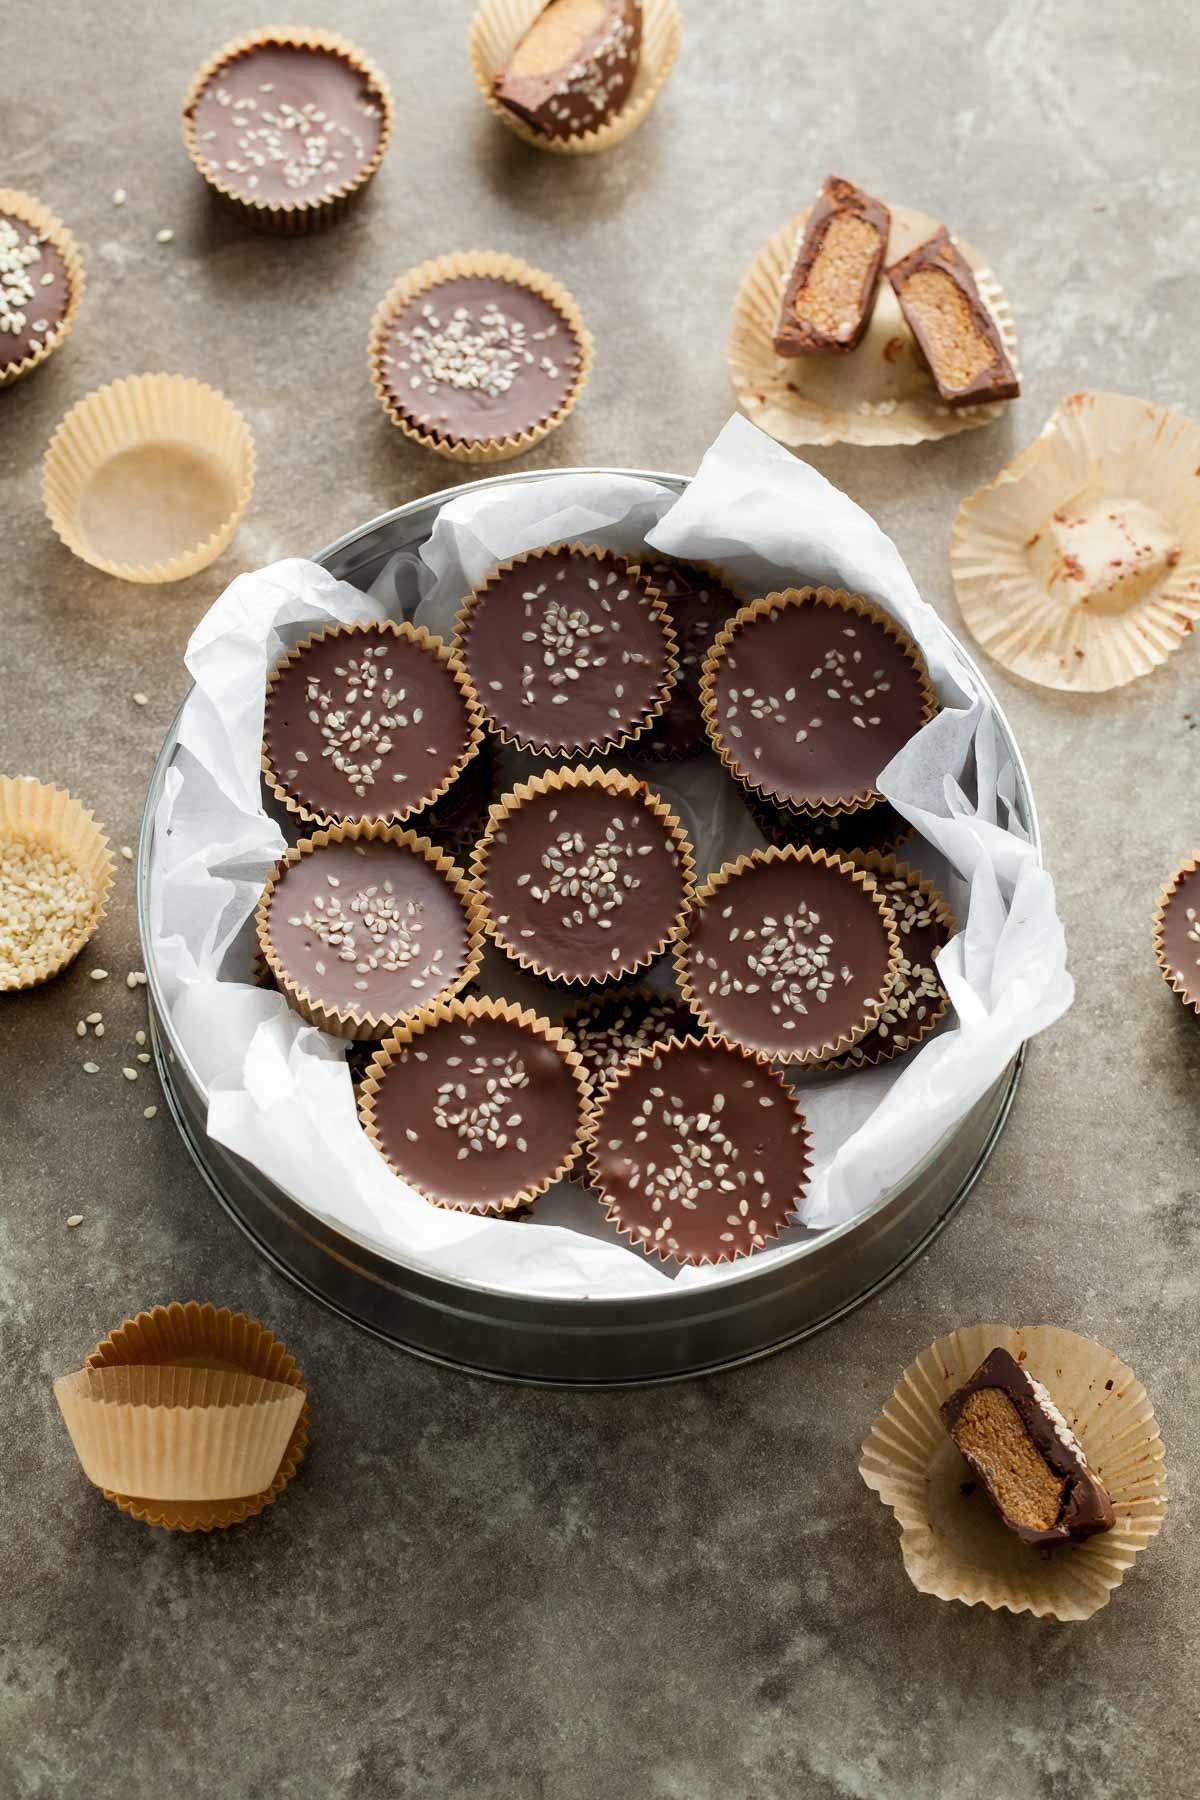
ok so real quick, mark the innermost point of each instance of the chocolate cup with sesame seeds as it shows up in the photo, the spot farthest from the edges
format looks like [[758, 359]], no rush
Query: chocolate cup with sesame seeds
[[41, 283], [480, 1108], [251, 119], [700, 599], [584, 875], [569, 649], [1177, 932], [877, 826], [56, 874], [367, 927], [615, 1024], [491, 381], [917, 1002], [368, 721]]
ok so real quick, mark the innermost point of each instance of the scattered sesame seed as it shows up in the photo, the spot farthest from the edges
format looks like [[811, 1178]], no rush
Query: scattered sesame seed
[[130, 1074], [149, 1112], [91, 1068], [141, 699], [99, 974], [74, 1220], [126, 852], [119, 197], [164, 236]]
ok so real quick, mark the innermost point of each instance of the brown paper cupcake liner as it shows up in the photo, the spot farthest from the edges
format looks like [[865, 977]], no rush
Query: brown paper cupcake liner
[[1116, 468], [953, 1543], [47, 819], [832, 1047], [498, 27], [359, 1022], [557, 781], [195, 1336], [880, 393], [414, 634], [467, 1010], [856, 604], [48, 225], [658, 608], [275, 215], [501, 267], [148, 478], [1185, 869]]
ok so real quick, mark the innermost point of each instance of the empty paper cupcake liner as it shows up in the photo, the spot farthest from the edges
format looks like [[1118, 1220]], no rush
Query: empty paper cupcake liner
[[48, 841], [48, 225], [149, 477], [1189, 996], [873, 1050], [498, 28], [880, 393], [953, 1543]]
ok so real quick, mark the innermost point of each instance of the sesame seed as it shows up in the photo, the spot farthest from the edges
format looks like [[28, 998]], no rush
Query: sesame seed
[[119, 197], [164, 236], [74, 1220]]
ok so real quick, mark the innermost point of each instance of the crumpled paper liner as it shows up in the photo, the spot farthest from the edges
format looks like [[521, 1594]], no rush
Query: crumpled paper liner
[[858, 606], [195, 1336], [657, 605], [31, 211], [413, 634], [430, 275], [359, 1022], [730, 871], [498, 28], [880, 393], [51, 819], [883, 1050], [952, 1541], [276, 215], [558, 781], [148, 477], [450, 1011], [1096, 446], [1188, 997]]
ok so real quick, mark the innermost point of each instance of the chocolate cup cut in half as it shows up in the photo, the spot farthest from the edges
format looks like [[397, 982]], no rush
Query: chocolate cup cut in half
[[808, 694], [917, 1002], [584, 875], [789, 953], [570, 649], [699, 1152], [366, 927], [480, 1109], [41, 283], [574, 67], [1177, 932], [615, 1025], [699, 601], [368, 722]]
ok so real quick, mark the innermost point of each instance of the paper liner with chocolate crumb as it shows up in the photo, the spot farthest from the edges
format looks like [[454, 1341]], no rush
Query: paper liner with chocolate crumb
[[41, 286], [1177, 932], [56, 875]]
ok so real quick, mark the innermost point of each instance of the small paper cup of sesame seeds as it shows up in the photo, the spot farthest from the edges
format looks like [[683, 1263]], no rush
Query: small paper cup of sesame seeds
[[148, 478], [56, 873], [41, 283]]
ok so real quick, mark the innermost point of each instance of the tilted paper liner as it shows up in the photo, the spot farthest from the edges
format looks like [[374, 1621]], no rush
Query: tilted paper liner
[[49, 818], [786, 598], [730, 871], [359, 1022], [186, 439], [496, 264], [30, 210], [413, 634], [498, 28], [558, 781], [276, 215], [1096, 447], [1188, 997], [880, 393], [658, 608], [466, 1010], [953, 1543], [883, 1050]]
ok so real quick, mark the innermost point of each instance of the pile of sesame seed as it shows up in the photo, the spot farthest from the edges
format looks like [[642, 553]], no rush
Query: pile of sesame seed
[[47, 909], [485, 351], [16, 284]]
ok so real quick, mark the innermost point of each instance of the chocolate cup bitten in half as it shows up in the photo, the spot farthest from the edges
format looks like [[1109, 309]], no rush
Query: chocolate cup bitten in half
[[699, 599], [41, 283], [917, 1002], [574, 67], [830, 293], [1177, 932]]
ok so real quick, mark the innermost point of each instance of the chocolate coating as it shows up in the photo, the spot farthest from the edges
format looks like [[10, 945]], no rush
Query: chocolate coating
[[573, 69], [833, 280], [1181, 935], [478, 358], [567, 651], [365, 724], [788, 957], [955, 333], [916, 998], [456, 821], [476, 1112], [698, 605], [35, 290], [699, 1153], [613, 1027], [876, 826], [287, 125]]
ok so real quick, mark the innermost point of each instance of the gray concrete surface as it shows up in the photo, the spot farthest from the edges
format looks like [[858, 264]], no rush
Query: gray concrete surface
[[684, 1594]]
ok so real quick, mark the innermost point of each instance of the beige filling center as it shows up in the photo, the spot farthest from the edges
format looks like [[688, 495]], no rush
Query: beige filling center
[[991, 1436], [957, 347], [831, 298], [555, 36]]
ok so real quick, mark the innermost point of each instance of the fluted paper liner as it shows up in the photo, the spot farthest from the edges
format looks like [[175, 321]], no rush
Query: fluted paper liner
[[465, 1010], [499, 26], [953, 1543], [658, 609], [1189, 996], [194, 1337], [786, 598], [494, 263], [148, 478], [31, 211], [784, 825], [880, 393], [360, 1022], [882, 1050], [304, 215], [558, 781], [1096, 448], [730, 871], [50, 819], [413, 634]]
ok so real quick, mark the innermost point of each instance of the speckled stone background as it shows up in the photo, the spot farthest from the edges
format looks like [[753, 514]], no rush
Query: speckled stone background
[[684, 1594]]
